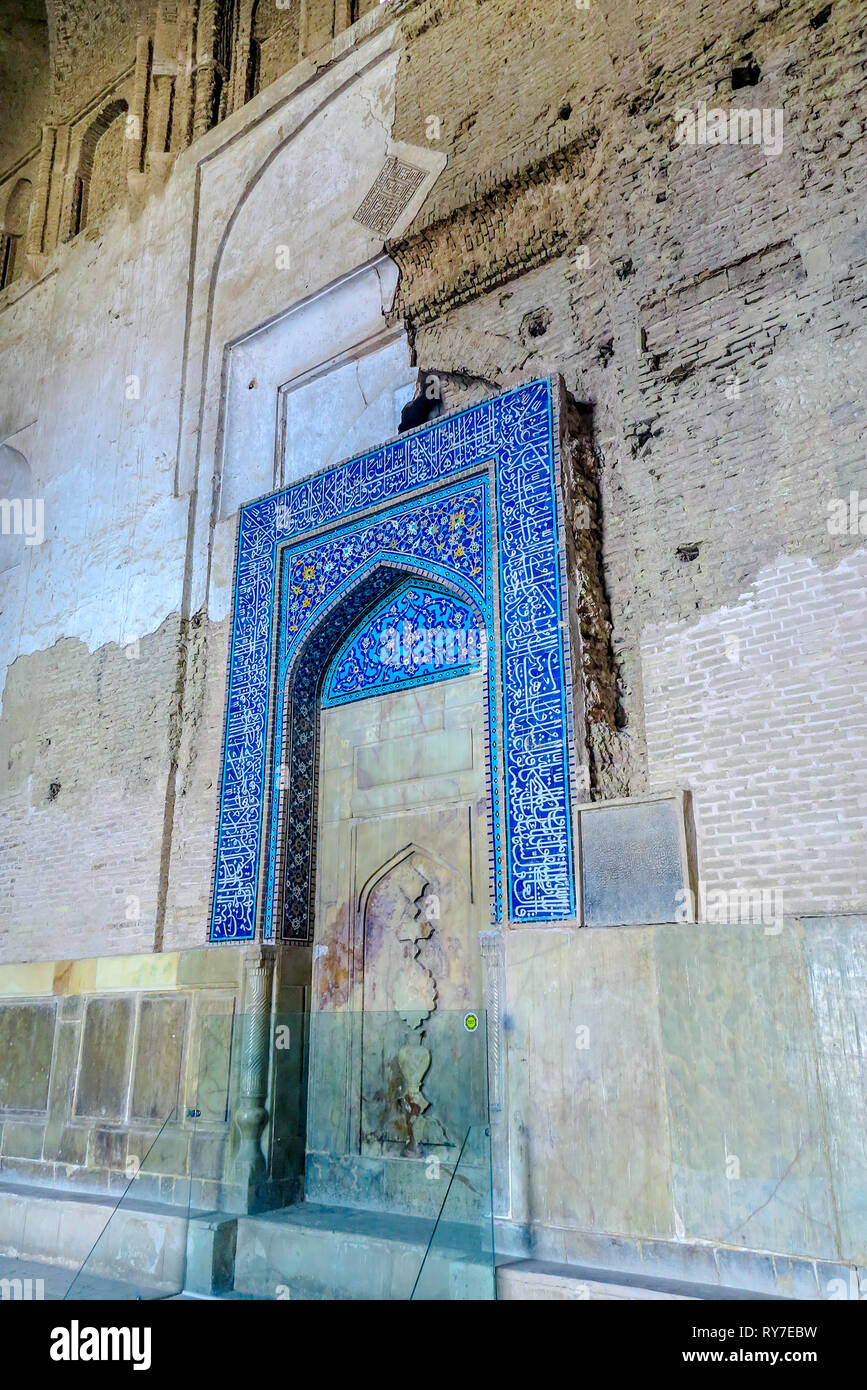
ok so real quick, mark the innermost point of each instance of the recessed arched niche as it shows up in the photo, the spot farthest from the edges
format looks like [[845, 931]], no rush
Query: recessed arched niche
[[18, 506], [467, 512], [16, 220]]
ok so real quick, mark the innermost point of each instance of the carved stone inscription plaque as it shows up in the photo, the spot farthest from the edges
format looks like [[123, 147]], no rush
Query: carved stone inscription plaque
[[632, 864]]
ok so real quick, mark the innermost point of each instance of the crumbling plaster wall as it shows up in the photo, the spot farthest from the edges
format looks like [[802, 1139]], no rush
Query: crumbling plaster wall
[[113, 369], [90, 618], [707, 303], [706, 270]]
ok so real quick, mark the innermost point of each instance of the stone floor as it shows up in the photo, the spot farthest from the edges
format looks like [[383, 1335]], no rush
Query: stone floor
[[59, 1283], [313, 1251]]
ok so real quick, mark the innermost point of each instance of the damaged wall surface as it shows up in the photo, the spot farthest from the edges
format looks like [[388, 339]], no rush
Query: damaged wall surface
[[235, 254]]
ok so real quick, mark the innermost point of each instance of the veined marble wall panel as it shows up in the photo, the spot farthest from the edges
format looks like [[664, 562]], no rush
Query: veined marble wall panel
[[694, 1083], [587, 1113], [835, 950], [98, 1052], [748, 1145]]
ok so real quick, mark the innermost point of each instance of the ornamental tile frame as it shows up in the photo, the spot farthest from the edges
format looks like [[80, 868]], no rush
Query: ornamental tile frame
[[347, 571], [466, 513]]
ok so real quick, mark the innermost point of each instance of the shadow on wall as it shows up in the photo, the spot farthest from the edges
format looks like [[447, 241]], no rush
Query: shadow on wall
[[15, 222], [100, 180], [20, 511]]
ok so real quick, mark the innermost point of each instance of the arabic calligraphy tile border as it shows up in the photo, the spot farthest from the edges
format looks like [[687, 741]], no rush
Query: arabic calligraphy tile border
[[516, 429]]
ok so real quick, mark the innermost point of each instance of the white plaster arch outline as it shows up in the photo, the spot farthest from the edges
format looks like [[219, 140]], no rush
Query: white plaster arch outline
[[204, 353], [16, 485]]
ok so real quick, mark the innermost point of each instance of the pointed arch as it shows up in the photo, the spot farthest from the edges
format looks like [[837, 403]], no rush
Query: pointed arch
[[368, 887], [293, 762], [416, 500], [100, 175], [16, 219], [418, 634]]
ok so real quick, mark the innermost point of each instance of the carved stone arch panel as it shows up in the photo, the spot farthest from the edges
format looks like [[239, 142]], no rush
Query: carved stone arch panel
[[412, 950], [393, 923], [409, 851], [385, 1010]]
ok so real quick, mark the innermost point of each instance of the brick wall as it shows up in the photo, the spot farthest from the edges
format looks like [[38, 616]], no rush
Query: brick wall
[[85, 746], [714, 324], [759, 708], [187, 918], [24, 79], [93, 45]]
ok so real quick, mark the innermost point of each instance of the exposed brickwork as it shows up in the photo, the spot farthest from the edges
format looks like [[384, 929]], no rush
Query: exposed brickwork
[[197, 787], [84, 753], [713, 331], [276, 34], [715, 323], [92, 45], [596, 679], [530, 218], [107, 166], [759, 707], [24, 79]]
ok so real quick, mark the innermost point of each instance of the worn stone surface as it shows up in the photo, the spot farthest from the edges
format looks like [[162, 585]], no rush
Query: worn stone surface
[[836, 964], [159, 1048], [85, 1113], [105, 1059], [704, 1039], [749, 1146], [26, 1040], [402, 893], [632, 863], [327, 1252], [586, 1073], [143, 1250]]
